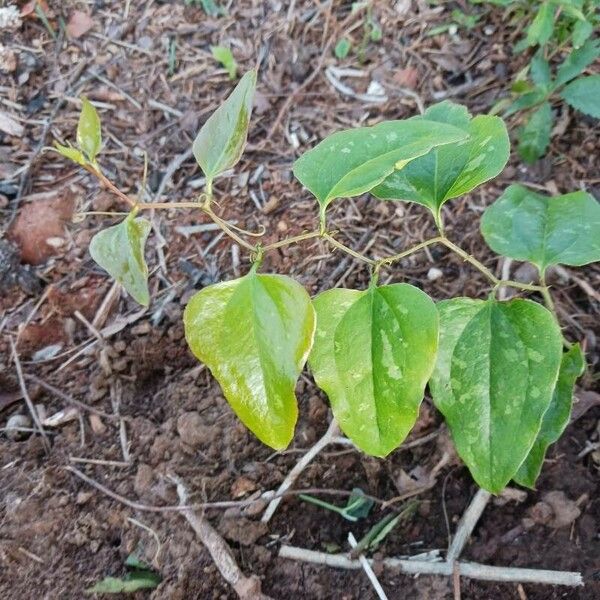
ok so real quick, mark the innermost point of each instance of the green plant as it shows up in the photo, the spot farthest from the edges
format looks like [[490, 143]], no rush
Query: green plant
[[224, 56], [538, 89], [553, 26], [496, 369]]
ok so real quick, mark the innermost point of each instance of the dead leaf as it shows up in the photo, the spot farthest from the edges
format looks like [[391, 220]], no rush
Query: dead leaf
[[28, 9], [79, 24], [40, 222], [555, 510], [241, 486], [9, 126], [408, 78]]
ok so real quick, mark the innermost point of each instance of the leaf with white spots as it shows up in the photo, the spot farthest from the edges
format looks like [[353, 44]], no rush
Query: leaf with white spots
[[119, 250], [544, 230], [254, 334], [373, 354], [493, 381], [349, 163], [450, 171], [556, 417]]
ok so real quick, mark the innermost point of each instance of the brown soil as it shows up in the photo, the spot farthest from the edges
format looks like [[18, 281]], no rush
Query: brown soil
[[58, 535]]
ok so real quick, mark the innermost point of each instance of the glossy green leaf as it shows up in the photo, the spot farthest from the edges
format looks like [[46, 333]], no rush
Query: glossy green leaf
[[71, 153], [584, 95], [534, 136], [453, 170], [89, 137], [545, 230], [220, 143], [493, 381], [352, 162], [540, 30], [254, 334], [119, 250], [373, 354], [225, 57], [556, 417], [577, 62]]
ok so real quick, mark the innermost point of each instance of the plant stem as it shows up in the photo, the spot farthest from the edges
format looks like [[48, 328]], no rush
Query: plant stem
[[347, 250], [168, 205], [226, 229], [110, 185], [545, 291], [471, 260], [388, 260], [292, 240]]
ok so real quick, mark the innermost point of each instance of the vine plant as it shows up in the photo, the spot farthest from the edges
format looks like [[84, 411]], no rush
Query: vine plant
[[495, 369]]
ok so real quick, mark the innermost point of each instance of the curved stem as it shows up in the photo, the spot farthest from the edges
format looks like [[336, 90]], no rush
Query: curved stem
[[110, 185], [226, 229]]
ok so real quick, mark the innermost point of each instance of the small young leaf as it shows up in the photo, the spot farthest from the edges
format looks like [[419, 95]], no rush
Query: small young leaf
[[556, 417], [137, 580], [373, 354], [540, 69], [222, 138], [577, 61], [453, 170], [254, 334], [540, 30], [71, 153], [352, 162], [225, 57], [119, 250], [582, 30], [89, 137], [584, 95], [527, 100], [545, 230], [493, 381], [342, 48], [534, 136]]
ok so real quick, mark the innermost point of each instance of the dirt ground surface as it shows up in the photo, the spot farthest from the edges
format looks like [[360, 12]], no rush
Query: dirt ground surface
[[152, 410]]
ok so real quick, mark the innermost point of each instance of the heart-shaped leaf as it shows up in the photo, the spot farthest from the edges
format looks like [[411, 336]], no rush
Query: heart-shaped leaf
[[453, 170], [120, 251], [493, 381], [544, 230], [254, 334], [220, 143], [352, 162], [556, 417], [89, 136], [373, 354]]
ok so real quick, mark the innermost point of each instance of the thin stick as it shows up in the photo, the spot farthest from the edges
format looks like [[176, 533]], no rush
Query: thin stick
[[368, 570], [467, 524], [331, 433], [419, 567], [30, 406], [247, 588]]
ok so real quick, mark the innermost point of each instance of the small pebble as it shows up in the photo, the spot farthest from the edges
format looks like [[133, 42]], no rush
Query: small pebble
[[434, 274], [15, 424]]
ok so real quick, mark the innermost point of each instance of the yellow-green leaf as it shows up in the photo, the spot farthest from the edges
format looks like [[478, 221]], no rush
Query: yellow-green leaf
[[89, 136], [119, 250], [254, 334], [556, 417], [373, 354], [493, 381], [71, 153], [220, 143]]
